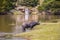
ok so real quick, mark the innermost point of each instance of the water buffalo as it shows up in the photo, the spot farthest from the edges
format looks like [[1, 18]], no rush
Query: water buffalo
[[29, 25]]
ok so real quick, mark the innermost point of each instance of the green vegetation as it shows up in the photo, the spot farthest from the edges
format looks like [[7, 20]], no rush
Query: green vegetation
[[6, 5], [29, 3], [53, 5], [46, 4], [47, 31]]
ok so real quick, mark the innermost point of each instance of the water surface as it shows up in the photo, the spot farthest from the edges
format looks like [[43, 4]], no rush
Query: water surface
[[10, 25]]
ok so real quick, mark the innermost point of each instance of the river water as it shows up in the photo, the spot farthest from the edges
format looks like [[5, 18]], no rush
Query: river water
[[9, 24]]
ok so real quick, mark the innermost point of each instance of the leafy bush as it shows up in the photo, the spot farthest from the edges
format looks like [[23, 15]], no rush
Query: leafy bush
[[30, 3], [6, 5]]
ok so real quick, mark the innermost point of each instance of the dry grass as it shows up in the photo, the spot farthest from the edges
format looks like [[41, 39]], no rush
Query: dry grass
[[43, 32]]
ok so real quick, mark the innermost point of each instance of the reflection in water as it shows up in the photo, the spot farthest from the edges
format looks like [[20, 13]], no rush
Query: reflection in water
[[17, 28], [5, 22], [9, 25]]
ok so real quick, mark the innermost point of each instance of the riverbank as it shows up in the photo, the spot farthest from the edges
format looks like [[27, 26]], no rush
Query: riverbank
[[46, 31]]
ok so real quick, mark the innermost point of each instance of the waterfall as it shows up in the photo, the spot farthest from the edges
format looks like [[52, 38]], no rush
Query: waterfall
[[18, 28], [26, 14]]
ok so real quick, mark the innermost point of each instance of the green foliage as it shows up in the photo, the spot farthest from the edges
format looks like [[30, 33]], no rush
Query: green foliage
[[53, 5], [30, 3], [40, 8], [6, 5], [47, 4]]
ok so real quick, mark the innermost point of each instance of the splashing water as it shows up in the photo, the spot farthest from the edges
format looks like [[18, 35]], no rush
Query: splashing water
[[17, 28], [26, 14]]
